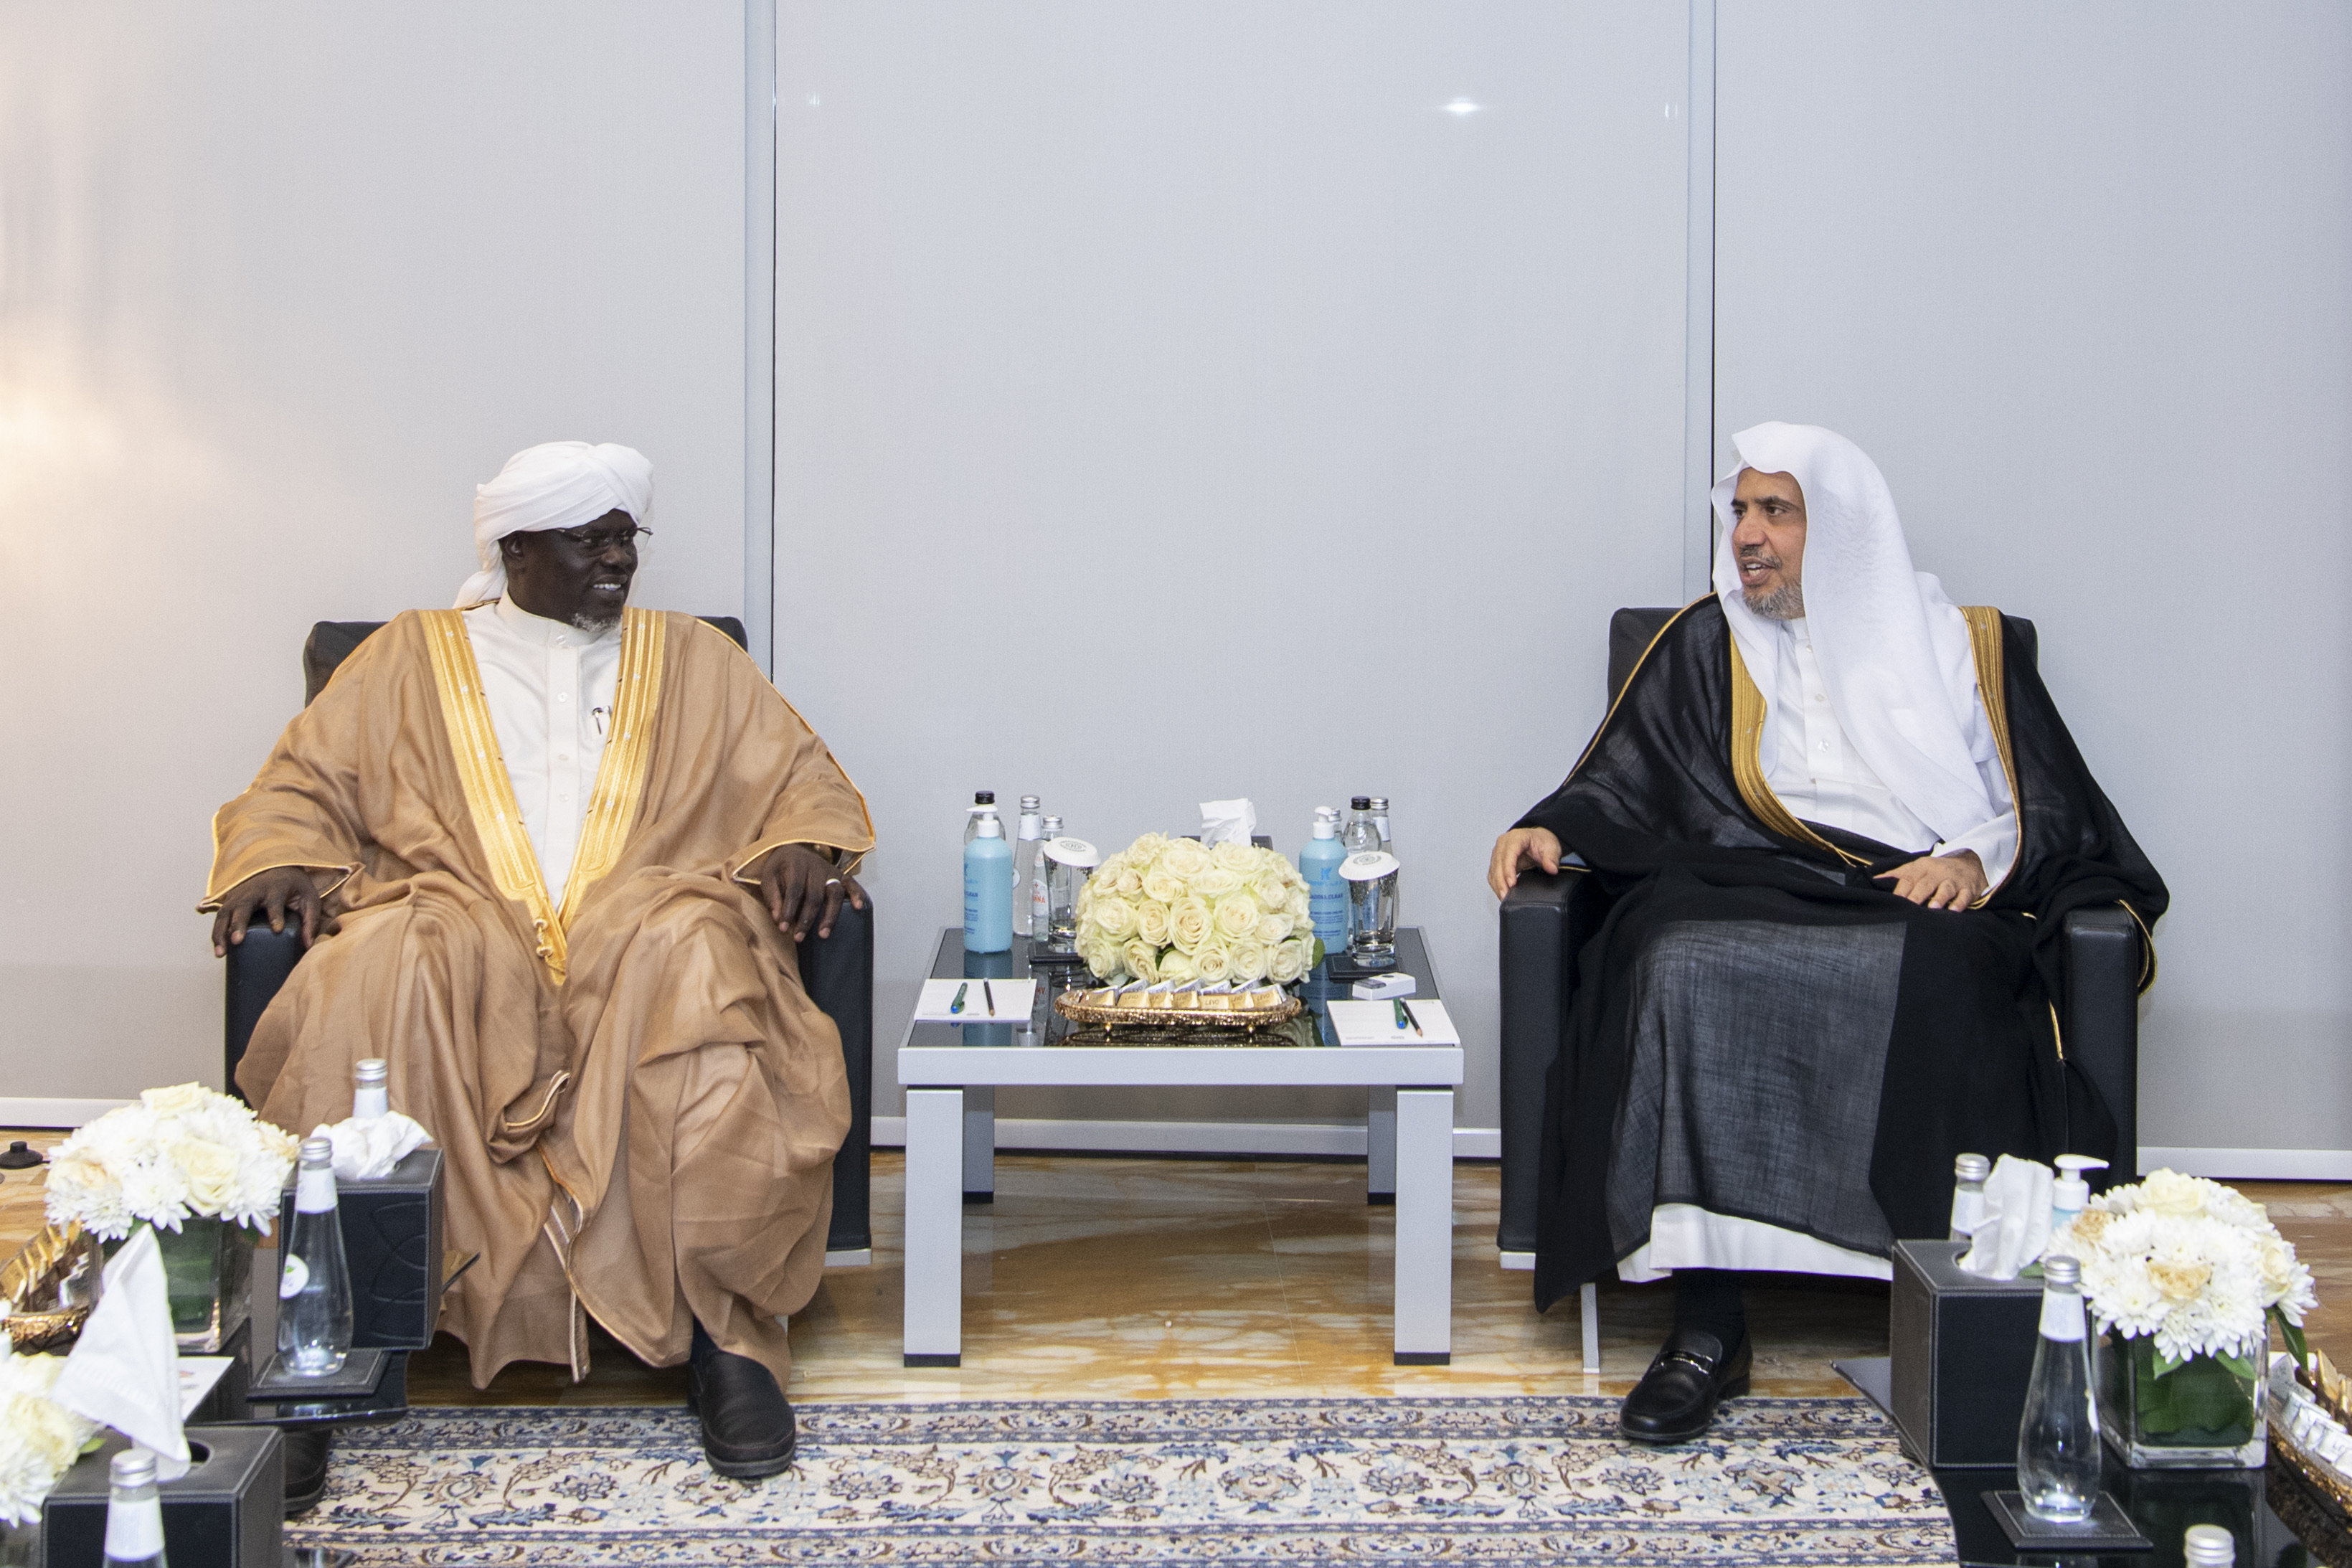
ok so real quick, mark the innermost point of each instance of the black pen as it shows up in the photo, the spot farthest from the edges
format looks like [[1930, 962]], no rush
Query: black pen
[[990, 992], [957, 1005], [1406, 1008]]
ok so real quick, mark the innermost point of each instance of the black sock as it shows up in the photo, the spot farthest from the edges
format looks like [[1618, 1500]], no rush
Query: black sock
[[1708, 1299]]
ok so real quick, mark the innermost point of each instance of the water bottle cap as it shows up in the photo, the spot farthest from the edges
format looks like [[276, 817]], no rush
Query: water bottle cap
[[1359, 803], [983, 797], [371, 1069], [1380, 803], [317, 1151], [1972, 1167], [133, 1467], [1052, 827], [2209, 1546], [2060, 1269], [1028, 802]]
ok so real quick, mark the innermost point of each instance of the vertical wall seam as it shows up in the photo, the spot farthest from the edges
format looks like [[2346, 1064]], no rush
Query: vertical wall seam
[[1699, 327], [759, 329]]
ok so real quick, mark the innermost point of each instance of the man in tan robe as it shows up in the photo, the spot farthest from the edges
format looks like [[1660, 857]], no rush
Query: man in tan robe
[[637, 1102]]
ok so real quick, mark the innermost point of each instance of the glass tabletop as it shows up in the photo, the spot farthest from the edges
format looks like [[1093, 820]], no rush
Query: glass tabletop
[[230, 1403], [1045, 1025]]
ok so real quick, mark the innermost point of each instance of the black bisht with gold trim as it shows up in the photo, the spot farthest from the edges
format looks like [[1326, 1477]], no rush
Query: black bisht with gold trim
[[1669, 808]]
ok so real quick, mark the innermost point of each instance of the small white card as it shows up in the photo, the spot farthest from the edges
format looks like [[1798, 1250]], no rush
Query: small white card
[[197, 1375], [1013, 999], [1375, 1024]]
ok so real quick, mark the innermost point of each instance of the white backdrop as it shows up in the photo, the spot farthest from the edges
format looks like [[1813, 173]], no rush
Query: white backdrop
[[2080, 278], [1179, 402]]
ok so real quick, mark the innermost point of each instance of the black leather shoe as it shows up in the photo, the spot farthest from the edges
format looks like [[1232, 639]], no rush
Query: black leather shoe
[[306, 1466], [747, 1429], [1676, 1400]]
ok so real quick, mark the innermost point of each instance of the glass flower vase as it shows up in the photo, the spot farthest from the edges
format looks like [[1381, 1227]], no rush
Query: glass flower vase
[[2202, 1414], [209, 1277]]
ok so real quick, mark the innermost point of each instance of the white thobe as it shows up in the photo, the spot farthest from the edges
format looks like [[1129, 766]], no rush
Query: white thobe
[[1814, 769], [549, 689]]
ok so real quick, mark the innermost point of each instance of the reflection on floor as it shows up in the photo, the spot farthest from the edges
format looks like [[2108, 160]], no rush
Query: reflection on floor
[[1143, 1278]]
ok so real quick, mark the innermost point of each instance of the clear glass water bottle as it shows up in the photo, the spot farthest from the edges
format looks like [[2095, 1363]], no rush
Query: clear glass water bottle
[[314, 1285], [1379, 814], [1025, 863], [2209, 1546], [134, 1512], [1363, 834], [1969, 1174], [370, 1088], [2058, 1440], [1035, 896], [984, 803]]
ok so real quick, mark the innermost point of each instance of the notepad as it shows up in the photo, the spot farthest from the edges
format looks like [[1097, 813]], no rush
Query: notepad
[[1014, 998], [197, 1375], [1374, 1024]]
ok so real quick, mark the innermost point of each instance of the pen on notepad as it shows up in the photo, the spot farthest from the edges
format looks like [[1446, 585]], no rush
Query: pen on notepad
[[1406, 1009], [957, 1005], [990, 992], [1403, 1020]]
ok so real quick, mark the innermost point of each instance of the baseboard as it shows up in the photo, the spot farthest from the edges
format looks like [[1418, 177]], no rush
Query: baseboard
[[1275, 1138], [37, 1112], [2252, 1165]]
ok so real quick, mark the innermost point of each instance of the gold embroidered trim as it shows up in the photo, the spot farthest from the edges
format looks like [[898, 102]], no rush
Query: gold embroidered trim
[[613, 803], [1992, 687], [556, 1087], [2147, 949], [1747, 714]]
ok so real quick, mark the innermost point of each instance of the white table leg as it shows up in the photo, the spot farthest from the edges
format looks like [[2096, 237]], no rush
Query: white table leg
[[1588, 1314], [1424, 1226], [1379, 1146], [980, 1145], [934, 1313]]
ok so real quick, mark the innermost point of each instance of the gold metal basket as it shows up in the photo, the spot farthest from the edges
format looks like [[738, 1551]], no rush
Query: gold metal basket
[[50, 1284], [1070, 1006]]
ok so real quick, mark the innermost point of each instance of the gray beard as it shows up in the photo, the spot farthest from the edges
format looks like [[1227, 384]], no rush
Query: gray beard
[[597, 627], [1785, 603]]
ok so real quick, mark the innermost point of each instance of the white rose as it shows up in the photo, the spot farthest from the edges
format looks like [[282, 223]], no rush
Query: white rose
[[1142, 959], [1116, 917], [1130, 883], [2170, 1192], [1276, 927], [1183, 858], [1216, 882], [1270, 889], [1241, 860], [211, 1173], [1146, 849], [1246, 960], [1191, 922], [1210, 962], [1237, 915], [1160, 885], [1151, 922], [1286, 963], [180, 1099], [1295, 905], [1176, 965]]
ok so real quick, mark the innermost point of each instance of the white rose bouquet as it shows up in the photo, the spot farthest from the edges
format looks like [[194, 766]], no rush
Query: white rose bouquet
[[39, 1439], [181, 1152], [1170, 908]]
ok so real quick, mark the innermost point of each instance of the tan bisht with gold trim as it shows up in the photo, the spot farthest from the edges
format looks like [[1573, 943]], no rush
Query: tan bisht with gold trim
[[637, 1102]]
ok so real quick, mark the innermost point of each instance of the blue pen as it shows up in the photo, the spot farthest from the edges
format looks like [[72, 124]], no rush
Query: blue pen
[[1402, 1019], [957, 1005]]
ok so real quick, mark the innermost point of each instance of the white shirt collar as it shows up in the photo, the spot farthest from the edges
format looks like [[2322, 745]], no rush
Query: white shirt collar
[[546, 633]]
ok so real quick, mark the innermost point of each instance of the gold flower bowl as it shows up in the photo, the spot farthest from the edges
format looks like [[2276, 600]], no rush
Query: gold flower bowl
[[50, 1286]]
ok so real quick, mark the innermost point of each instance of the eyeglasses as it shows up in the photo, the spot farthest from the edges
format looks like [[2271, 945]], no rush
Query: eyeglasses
[[597, 543]]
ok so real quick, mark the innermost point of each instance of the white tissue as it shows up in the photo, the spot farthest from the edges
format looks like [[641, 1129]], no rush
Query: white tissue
[[2017, 1219], [124, 1372], [1227, 821], [368, 1147]]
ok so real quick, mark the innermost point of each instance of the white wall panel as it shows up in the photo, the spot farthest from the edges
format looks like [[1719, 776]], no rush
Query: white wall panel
[[2080, 278], [1122, 350], [278, 284]]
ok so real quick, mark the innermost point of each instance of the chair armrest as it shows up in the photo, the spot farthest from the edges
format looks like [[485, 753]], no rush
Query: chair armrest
[[838, 973], [1546, 921], [256, 969], [2101, 1013]]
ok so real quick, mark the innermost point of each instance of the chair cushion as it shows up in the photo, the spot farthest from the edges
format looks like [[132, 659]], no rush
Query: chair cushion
[[331, 642]]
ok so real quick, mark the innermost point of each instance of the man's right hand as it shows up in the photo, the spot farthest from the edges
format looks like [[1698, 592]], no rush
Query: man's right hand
[[278, 895], [1518, 850]]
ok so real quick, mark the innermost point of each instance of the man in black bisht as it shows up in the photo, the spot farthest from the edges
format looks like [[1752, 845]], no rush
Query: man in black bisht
[[1844, 825]]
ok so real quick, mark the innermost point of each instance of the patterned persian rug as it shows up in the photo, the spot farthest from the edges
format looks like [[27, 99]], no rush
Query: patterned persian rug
[[1138, 1484]]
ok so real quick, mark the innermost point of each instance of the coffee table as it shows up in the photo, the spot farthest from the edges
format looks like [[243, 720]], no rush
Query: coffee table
[[951, 1072]]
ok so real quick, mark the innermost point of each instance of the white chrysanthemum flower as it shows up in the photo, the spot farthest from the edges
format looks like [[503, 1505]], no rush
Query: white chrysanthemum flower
[[39, 1438], [180, 1153], [2187, 1262]]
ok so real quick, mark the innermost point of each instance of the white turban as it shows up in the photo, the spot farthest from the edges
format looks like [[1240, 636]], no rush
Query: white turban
[[558, 484], [1893, 647]]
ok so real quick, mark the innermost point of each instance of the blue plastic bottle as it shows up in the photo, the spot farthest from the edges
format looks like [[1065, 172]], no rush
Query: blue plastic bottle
[[1327, 895], [988, 889]]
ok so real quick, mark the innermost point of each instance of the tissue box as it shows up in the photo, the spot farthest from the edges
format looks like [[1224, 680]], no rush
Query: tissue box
[[392, 1241], [1960, 1352], [228, 1510]]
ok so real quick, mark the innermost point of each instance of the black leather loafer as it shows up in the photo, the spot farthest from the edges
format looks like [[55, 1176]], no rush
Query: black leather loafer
[[748, 1430], [306, 1466], [1676, 1400]]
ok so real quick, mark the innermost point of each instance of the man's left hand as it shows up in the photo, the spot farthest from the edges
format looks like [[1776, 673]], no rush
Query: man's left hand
[[1939, 881], [802, 889]]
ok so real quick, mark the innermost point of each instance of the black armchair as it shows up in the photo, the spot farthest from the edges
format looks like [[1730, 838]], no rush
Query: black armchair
[[1548, 920], [837, 971]]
